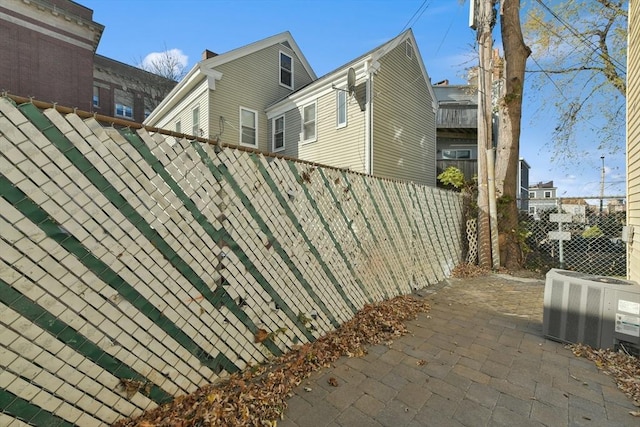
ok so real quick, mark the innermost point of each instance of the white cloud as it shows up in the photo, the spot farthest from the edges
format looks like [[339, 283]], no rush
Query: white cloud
[[158, 57]]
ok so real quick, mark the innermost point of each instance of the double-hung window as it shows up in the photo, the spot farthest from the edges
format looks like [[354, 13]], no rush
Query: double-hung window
[[248, 127], [309, 117], [124, 111], [278, 134], [195, 121], [547, 194], [341, 108], [286, 70]]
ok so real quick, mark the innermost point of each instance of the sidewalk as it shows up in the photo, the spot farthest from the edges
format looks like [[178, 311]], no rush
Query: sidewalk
[[477, 358]]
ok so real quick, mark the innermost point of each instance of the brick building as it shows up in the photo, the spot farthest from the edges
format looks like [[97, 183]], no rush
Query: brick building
[[49, 54]]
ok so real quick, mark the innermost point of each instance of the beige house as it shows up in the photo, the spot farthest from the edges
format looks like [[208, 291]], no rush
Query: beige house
[[380, 120], [224, 97], [633, 141], [375, 114]]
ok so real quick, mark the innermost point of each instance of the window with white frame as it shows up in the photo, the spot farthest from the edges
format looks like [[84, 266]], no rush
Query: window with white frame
[[532, 210], [278, 134], [195, 122], [248, 127], [286, 70], [124, 111], [178, 127], [309, 123], [547, 194], [532, 194], [341, 108]]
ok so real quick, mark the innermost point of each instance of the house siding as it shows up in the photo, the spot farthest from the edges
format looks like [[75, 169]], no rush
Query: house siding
[[183, 112], [252, 82], [338, 147], [397, 132], [633, 140]]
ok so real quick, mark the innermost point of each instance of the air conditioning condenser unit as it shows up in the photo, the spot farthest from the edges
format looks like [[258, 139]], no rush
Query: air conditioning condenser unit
[[599, 311]]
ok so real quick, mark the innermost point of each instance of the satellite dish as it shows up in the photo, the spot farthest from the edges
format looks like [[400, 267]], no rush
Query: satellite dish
[[351, 81]]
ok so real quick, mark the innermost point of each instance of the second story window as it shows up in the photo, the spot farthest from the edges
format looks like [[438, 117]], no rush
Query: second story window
[[309, 123], [547, 194], [124, 111], [278, 134], [195, 128], [96, 96], [532, 195], [286, 70], [248, 127], [341, 99]]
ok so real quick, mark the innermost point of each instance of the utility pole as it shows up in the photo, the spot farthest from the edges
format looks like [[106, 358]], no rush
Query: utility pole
[[484, 23]]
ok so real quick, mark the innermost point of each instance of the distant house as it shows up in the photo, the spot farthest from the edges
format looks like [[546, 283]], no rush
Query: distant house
[[457, 136], [375, 114], [576, 207], [542, 196], [224, 97], [381, 123], [457, 128]]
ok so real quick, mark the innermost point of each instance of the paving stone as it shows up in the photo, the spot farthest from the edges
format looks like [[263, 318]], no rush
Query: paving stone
[[472, 414], [505, 417], [515, 404], [380, 391], [394, 414], [485, 363], [483, 394], [368, 404], [550, 415], [352, 417]]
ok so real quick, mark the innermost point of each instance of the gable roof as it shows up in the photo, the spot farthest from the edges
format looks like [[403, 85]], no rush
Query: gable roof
[[206, 69], [362, 64]]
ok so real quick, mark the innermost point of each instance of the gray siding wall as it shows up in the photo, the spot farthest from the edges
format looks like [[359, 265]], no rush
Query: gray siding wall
[[338, 147], [633, 140], [252, 82], [404, 131]]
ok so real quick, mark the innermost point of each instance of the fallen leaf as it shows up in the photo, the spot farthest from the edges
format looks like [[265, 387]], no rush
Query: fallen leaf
[[332, 381], [261, 335]]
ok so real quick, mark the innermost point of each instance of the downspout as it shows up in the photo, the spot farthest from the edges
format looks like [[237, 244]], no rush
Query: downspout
[[370, 69]]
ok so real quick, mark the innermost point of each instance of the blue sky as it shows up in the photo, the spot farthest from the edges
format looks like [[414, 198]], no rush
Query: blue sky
[[331, 33]]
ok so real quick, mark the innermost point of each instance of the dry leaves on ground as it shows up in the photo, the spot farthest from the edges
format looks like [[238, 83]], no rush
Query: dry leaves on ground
[[257, 396], [623, 367], [465, 271]]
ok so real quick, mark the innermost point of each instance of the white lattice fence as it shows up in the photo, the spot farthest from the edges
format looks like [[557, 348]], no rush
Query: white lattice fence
[[135, 267]]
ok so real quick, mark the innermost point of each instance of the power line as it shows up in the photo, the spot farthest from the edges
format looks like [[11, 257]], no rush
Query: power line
[[617, 65]]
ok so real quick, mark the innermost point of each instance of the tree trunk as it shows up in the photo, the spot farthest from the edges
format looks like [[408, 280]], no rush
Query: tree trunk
[[508, 147]]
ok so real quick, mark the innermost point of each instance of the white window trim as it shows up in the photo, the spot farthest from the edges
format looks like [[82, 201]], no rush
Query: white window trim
[[340, 93], [549, 194], [124, 109], [255, 114], [195, 126], [532, 194], [408, 49], [280, 69], [273, 134], [315, 138]]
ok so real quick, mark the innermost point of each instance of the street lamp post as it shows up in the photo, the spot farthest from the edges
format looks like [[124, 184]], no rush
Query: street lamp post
[[601, 185]]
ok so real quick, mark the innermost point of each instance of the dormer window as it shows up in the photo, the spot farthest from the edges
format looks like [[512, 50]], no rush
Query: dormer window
[[286, 70]]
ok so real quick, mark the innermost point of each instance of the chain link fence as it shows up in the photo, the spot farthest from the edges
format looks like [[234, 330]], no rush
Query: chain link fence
[[581, 234]]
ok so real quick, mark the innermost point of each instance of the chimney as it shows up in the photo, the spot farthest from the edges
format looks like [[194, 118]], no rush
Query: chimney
[[208, 54]]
